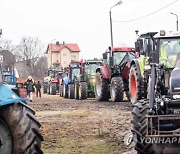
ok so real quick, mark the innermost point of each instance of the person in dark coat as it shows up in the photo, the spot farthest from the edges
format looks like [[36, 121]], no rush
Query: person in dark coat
[[38, 89], [30, 86]]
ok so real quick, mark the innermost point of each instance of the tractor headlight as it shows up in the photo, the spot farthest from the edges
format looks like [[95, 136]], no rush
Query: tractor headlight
[[147, 67], [176, 96], [92, 80]]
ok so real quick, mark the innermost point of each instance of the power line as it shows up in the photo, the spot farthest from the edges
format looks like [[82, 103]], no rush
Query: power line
[[148, 14]]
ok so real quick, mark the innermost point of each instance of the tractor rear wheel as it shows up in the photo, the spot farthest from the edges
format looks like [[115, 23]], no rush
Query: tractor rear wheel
[[19, 130], [53, 88], [45, 87], [65, 91], [101, 88], [139, 127], [82, 90], [71, 91], [134, 85], [117, 89]]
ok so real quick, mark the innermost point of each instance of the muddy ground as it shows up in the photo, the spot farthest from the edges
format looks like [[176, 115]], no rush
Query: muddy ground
[[82, 126]]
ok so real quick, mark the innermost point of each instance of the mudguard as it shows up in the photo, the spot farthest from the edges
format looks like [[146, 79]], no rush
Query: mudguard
[[140, 63], [8, 96], [54, 80], [105, 71], [66, 80]]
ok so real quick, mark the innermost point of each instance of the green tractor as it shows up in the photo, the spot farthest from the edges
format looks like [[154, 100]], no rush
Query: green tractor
[[138, 78], [90, 67], [156, 118]]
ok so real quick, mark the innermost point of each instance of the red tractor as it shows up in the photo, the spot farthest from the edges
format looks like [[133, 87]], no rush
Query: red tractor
[[112, 77]]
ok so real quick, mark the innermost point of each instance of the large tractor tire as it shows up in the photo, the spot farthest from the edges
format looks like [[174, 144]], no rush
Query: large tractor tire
[[76, 90], [45, 85], [82, 90], [139, 127], [19, 130], [101, 88], [117, 89], [61, 90], [52, 88], [134, 85], [71, 91], [65, 91], [48, 88]]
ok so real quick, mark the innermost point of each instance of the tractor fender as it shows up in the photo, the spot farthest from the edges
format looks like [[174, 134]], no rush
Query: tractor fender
[[136, 63], [104, 70], [8, 96], [54, 80], [66, 80]]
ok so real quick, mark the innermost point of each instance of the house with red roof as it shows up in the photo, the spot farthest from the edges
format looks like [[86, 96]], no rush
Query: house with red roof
[[60, 55]]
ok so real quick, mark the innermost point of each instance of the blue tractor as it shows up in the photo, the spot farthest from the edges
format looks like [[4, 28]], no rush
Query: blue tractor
[[19, 129]]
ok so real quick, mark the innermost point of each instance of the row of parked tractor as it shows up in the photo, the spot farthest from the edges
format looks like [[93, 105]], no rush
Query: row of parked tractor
[[102, 79], [148, 74]]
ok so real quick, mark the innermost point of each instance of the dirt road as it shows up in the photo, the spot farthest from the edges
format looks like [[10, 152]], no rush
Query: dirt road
[[82, 127]]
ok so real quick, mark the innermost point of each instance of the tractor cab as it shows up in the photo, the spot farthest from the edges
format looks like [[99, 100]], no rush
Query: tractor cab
[[75, 70], [90, 67]]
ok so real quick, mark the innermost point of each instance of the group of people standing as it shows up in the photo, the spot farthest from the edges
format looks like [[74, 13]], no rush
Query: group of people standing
[[31, 86]]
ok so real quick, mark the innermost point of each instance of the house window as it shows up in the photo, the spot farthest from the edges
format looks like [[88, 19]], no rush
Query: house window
[[73, 57], [64, 54]]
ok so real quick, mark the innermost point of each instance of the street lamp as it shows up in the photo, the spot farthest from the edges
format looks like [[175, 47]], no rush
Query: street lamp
[[176, 19], [119, 3], [51, 51]]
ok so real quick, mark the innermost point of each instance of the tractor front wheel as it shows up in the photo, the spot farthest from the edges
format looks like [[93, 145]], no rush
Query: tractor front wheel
[[65, 91], [76, 90], [52, 88], [101, 88], [45, 87], [19, 130], [134, 85], [117, 89], [71, 91], [61, 90], [139, 127], [82, 90]]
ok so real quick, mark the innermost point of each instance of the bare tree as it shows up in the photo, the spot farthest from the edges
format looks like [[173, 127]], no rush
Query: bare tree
[[6, 44], [29, 49], [40, 67]]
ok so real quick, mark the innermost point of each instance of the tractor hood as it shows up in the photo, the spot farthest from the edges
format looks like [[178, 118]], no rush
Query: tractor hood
[[8, 96]]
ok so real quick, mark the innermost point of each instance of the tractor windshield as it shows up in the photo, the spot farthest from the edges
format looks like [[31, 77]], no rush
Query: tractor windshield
[[90, 69], [118, 57], [76, 72], [169, 52]]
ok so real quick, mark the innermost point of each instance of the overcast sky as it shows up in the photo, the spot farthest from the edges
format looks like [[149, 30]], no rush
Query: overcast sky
[[85, 22]]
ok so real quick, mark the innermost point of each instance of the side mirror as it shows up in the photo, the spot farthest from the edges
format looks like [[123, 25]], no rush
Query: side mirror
[[104, 55], [139, 46]]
